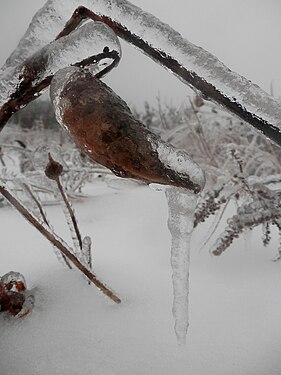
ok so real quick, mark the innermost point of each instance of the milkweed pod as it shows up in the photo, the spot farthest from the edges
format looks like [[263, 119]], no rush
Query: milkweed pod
[[103, 126]]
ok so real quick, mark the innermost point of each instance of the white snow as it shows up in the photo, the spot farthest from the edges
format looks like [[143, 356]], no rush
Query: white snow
[[234, 299]]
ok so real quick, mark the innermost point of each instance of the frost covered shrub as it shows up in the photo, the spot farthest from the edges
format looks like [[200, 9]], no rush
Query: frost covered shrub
[[239, 164], [209, 135], [24, 155]]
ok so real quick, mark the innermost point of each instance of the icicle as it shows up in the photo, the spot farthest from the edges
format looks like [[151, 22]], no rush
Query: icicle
[[182, 204], [86, 249], [87, 253]]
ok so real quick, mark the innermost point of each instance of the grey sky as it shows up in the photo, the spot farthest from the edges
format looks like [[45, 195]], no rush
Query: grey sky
[[245, 35]]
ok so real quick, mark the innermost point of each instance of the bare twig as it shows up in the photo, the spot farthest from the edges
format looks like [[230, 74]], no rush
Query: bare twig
[[30, 87], [202, 137], [71, 212], [53, 171], [56, 241], [38, 204], [1, 157]]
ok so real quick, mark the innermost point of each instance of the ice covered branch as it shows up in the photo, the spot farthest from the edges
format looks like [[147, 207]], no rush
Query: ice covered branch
[[58, 243], [193, 65], [84, 47]]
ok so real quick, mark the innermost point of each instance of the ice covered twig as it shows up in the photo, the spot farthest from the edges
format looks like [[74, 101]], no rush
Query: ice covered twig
[[29, 190], [86, 46], [193, 65], [53, 171], [82, 248], [58, 242]]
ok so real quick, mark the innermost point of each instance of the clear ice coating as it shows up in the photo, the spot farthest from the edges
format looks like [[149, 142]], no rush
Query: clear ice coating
[[182, 204], [77, 249], [180, 162], [84, 42], [61, 78], [50, 20]]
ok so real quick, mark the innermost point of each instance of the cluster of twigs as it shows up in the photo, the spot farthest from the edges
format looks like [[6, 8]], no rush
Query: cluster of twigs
[[239, 165], [210, 203], [18, 159], [263, 209], [256, 205], [30, 86], [210, 135], [80, 255]]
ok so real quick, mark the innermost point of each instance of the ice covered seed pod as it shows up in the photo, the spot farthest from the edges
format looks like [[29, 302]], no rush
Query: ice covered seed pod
[[103, 126], [15, 300], [13, 281], [53, 169]]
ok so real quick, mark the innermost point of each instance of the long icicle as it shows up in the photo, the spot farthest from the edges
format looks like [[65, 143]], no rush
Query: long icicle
[[182, 204]]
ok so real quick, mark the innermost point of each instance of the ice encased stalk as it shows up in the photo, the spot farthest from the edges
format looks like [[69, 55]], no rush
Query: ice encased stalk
[[182, 204], [86, 41]]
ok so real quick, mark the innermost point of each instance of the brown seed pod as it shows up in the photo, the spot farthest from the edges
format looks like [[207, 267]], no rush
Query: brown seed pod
[[103, 126], [53, 169]]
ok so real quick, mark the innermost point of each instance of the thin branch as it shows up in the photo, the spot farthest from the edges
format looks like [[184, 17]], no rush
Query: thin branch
[[57, 242], [53, 171], [208, 90], [203, 71], [71, 213], [30, 86], [38, 204], [202, 138]]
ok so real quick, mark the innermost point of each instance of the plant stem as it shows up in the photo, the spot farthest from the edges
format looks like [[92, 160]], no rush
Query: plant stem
[[56, 241], [30, 192], [71, 213]]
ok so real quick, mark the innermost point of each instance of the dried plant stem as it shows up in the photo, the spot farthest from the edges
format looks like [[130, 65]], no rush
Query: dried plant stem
[[38, 204], [57, 242], [30, 192], [1, 157], [71, 213], [202, 138]]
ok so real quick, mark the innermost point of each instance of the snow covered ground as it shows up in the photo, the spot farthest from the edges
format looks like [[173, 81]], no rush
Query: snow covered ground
[[235, 304]]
